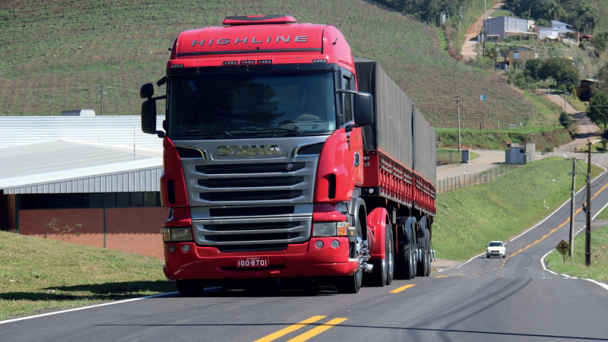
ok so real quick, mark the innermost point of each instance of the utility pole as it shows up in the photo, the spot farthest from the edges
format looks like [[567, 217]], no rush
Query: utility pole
[[565, 87], [101, 89], [458, 109], [588, 230], [571, 240]]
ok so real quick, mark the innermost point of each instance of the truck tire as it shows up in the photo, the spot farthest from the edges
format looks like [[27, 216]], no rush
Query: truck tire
[[424, 266], [390, 247], [428, 254], [384, 268], [351, 283], [406, 261], [189, 288]]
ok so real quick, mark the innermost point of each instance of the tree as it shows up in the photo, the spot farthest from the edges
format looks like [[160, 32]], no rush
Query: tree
[[565, 120], [533, 67], [587, 17], [600, 41], [597, 110], [561, 69], [548, 9]]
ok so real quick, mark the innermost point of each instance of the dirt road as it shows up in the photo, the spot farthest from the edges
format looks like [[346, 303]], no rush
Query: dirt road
[[586, 128], [469, 48]]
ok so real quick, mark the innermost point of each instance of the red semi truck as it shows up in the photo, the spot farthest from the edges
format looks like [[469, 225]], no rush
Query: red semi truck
[[285, 158]]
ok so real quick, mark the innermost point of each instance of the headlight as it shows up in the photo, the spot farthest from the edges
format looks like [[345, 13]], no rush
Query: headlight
[[329, 229], [177, 234]]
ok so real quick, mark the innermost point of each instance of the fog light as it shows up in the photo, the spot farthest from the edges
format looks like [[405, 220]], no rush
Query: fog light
[[186, 248], [171, 249], [335, 244], [319, 244]]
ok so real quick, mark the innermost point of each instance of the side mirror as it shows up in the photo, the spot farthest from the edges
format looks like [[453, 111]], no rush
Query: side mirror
[[364, 109], [148, 116], [146, 91]]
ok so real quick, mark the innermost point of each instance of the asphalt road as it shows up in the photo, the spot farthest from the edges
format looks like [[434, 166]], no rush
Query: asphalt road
[[510, 299]]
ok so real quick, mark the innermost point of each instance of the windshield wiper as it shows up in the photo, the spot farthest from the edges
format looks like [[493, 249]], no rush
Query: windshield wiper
[[207, 132]]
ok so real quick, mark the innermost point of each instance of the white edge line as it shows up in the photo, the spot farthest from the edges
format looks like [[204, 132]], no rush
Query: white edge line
[[86, 307], [538, 224]]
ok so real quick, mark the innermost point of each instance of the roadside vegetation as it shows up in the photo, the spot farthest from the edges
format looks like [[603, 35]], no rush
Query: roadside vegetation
[[470, 217], [449, 156], [576, 267], [545, 137], [41, 275]]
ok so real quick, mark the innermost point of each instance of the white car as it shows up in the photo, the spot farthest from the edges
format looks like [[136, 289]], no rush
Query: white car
[[496, 248]]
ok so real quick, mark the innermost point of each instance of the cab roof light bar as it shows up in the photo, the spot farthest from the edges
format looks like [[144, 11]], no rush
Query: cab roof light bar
[[259, 19]]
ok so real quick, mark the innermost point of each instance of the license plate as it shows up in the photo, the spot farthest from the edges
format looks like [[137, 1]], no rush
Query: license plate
[[252, 262]]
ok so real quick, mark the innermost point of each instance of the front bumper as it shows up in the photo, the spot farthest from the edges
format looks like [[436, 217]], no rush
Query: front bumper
[[297, 260]]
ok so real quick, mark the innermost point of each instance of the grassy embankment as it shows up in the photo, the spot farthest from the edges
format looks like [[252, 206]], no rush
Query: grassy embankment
[[448, 156], [575, 267], [468, 218], [39, 275]]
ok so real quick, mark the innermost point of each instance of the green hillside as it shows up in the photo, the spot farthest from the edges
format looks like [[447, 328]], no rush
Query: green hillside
[[62, 54]]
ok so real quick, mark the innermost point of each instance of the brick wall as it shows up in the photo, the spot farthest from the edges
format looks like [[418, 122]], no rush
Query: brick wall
[[135, 230]]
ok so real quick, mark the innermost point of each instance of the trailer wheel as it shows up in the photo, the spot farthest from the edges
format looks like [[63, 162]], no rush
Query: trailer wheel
[[189, 288], [384, 269], [351, 283], [390, 257], [424, 266], [406, 267], [413, 259], [428, 254]]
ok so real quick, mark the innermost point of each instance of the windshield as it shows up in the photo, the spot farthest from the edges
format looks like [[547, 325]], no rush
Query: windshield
[[234, 105], [495, 244]]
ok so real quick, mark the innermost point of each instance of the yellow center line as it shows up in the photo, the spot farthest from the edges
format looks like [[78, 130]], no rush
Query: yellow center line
[[290, 329], [316, 331], [441, 276], [399, 289], [555, 229]]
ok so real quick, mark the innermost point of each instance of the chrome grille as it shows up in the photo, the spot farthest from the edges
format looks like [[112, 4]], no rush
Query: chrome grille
[[254, 201]]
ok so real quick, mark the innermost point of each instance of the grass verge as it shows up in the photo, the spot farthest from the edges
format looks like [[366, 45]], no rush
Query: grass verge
[[448, 156], [470, 217], [40, 275], [575, 267]]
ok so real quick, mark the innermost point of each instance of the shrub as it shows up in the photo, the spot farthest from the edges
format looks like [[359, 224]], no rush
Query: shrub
[[565, 120]]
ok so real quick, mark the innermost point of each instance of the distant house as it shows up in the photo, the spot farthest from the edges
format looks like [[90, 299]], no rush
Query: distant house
[[547, 32], [519, 56], [557, 31], [504, 27], [562, 28]]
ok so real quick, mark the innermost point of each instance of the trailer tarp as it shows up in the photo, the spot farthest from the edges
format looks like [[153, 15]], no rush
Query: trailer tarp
[[399, 128]]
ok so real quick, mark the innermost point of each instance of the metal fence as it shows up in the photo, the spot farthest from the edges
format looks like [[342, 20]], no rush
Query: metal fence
[[471, 179]]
